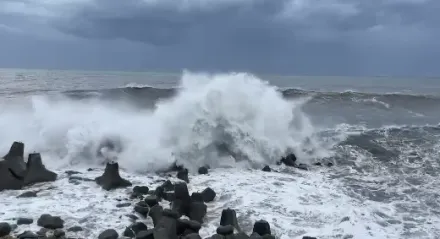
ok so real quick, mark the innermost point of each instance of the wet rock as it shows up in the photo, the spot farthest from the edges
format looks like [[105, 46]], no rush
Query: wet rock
[[229, 217], [192, 236], [108, 234], [132, 217], [27, 235], [5, 229], [197, 197], [146, 234], [142, 208], [225, 230], [309, 237], [197, 211], [16, 150], [120, 205], [43, 232], [151, 200], [59, 233], [71, 172], [289, 160], [203, 170], [182, 202], [169, 196], [111, 178], [170, 213], [50, 222], [156, 213], [188, 225], [217, 236], [241, 235], [9, 180], [134, 229], [159, 192], [168, 222], [36, 172], [139, 191], [29, 194], [208, 195], [267, 236], [162, 233], [13, 168], [255, 236], [168, 186], [262, 228], [301, 166], [24, 221], [266, 168], [75, 229], [183, 175]]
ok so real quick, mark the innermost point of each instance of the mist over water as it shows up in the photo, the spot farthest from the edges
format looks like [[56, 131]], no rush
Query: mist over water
[[238, 110]]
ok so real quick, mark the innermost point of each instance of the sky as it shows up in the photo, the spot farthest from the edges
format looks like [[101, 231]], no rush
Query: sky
[[302, 37]]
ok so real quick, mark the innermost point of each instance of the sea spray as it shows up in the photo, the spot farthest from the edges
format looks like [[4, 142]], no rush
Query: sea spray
[[246, 115]]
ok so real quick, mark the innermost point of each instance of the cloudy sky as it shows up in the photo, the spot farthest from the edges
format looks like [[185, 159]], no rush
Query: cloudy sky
[[312, 37]]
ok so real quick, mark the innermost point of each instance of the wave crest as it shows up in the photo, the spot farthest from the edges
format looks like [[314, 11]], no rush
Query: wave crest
[[237, 115]]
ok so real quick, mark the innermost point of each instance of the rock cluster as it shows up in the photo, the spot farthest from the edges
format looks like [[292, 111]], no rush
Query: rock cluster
[[15, 173], [183, 219]]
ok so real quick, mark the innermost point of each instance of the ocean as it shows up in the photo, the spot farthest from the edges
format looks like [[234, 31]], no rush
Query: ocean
[[381, 134]]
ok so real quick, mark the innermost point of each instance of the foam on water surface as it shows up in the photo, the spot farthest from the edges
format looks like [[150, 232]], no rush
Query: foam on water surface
[[295, 203]]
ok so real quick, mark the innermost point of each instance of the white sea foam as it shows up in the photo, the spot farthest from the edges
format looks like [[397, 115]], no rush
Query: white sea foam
[[238, 109], [294, 203]]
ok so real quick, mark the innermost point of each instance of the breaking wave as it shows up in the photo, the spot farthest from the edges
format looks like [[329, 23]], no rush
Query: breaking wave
[[220, 120]]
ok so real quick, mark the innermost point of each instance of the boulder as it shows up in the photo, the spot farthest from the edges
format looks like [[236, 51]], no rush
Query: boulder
[[8, 179], [197, 197], [24, 221], [111, 178], [266, 168], [168, 221], [192, 236], [16, 150], [50, 222], [36, 172], [183, 175], [225, 230], [197, 211], [75, 229], [108, 234], [133, 230], [142, 208], [208, 195], [185, 227], [229, 217], [289, 160], [140, 190], [27, 235], [151, 200], [13, 168], [5, 229], [262, 228], [203, 170], [156, 213], [145, 234]]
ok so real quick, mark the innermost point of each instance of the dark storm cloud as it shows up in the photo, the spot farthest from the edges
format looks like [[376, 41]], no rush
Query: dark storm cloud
[[284, 36]]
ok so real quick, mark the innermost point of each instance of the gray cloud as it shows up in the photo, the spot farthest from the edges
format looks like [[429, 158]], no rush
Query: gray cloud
[[280, 36]]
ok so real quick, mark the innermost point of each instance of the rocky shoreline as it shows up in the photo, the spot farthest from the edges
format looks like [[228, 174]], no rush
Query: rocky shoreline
[[182, 218]]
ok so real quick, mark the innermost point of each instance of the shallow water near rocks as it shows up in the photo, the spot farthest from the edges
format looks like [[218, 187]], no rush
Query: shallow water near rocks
[[294, 203]]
